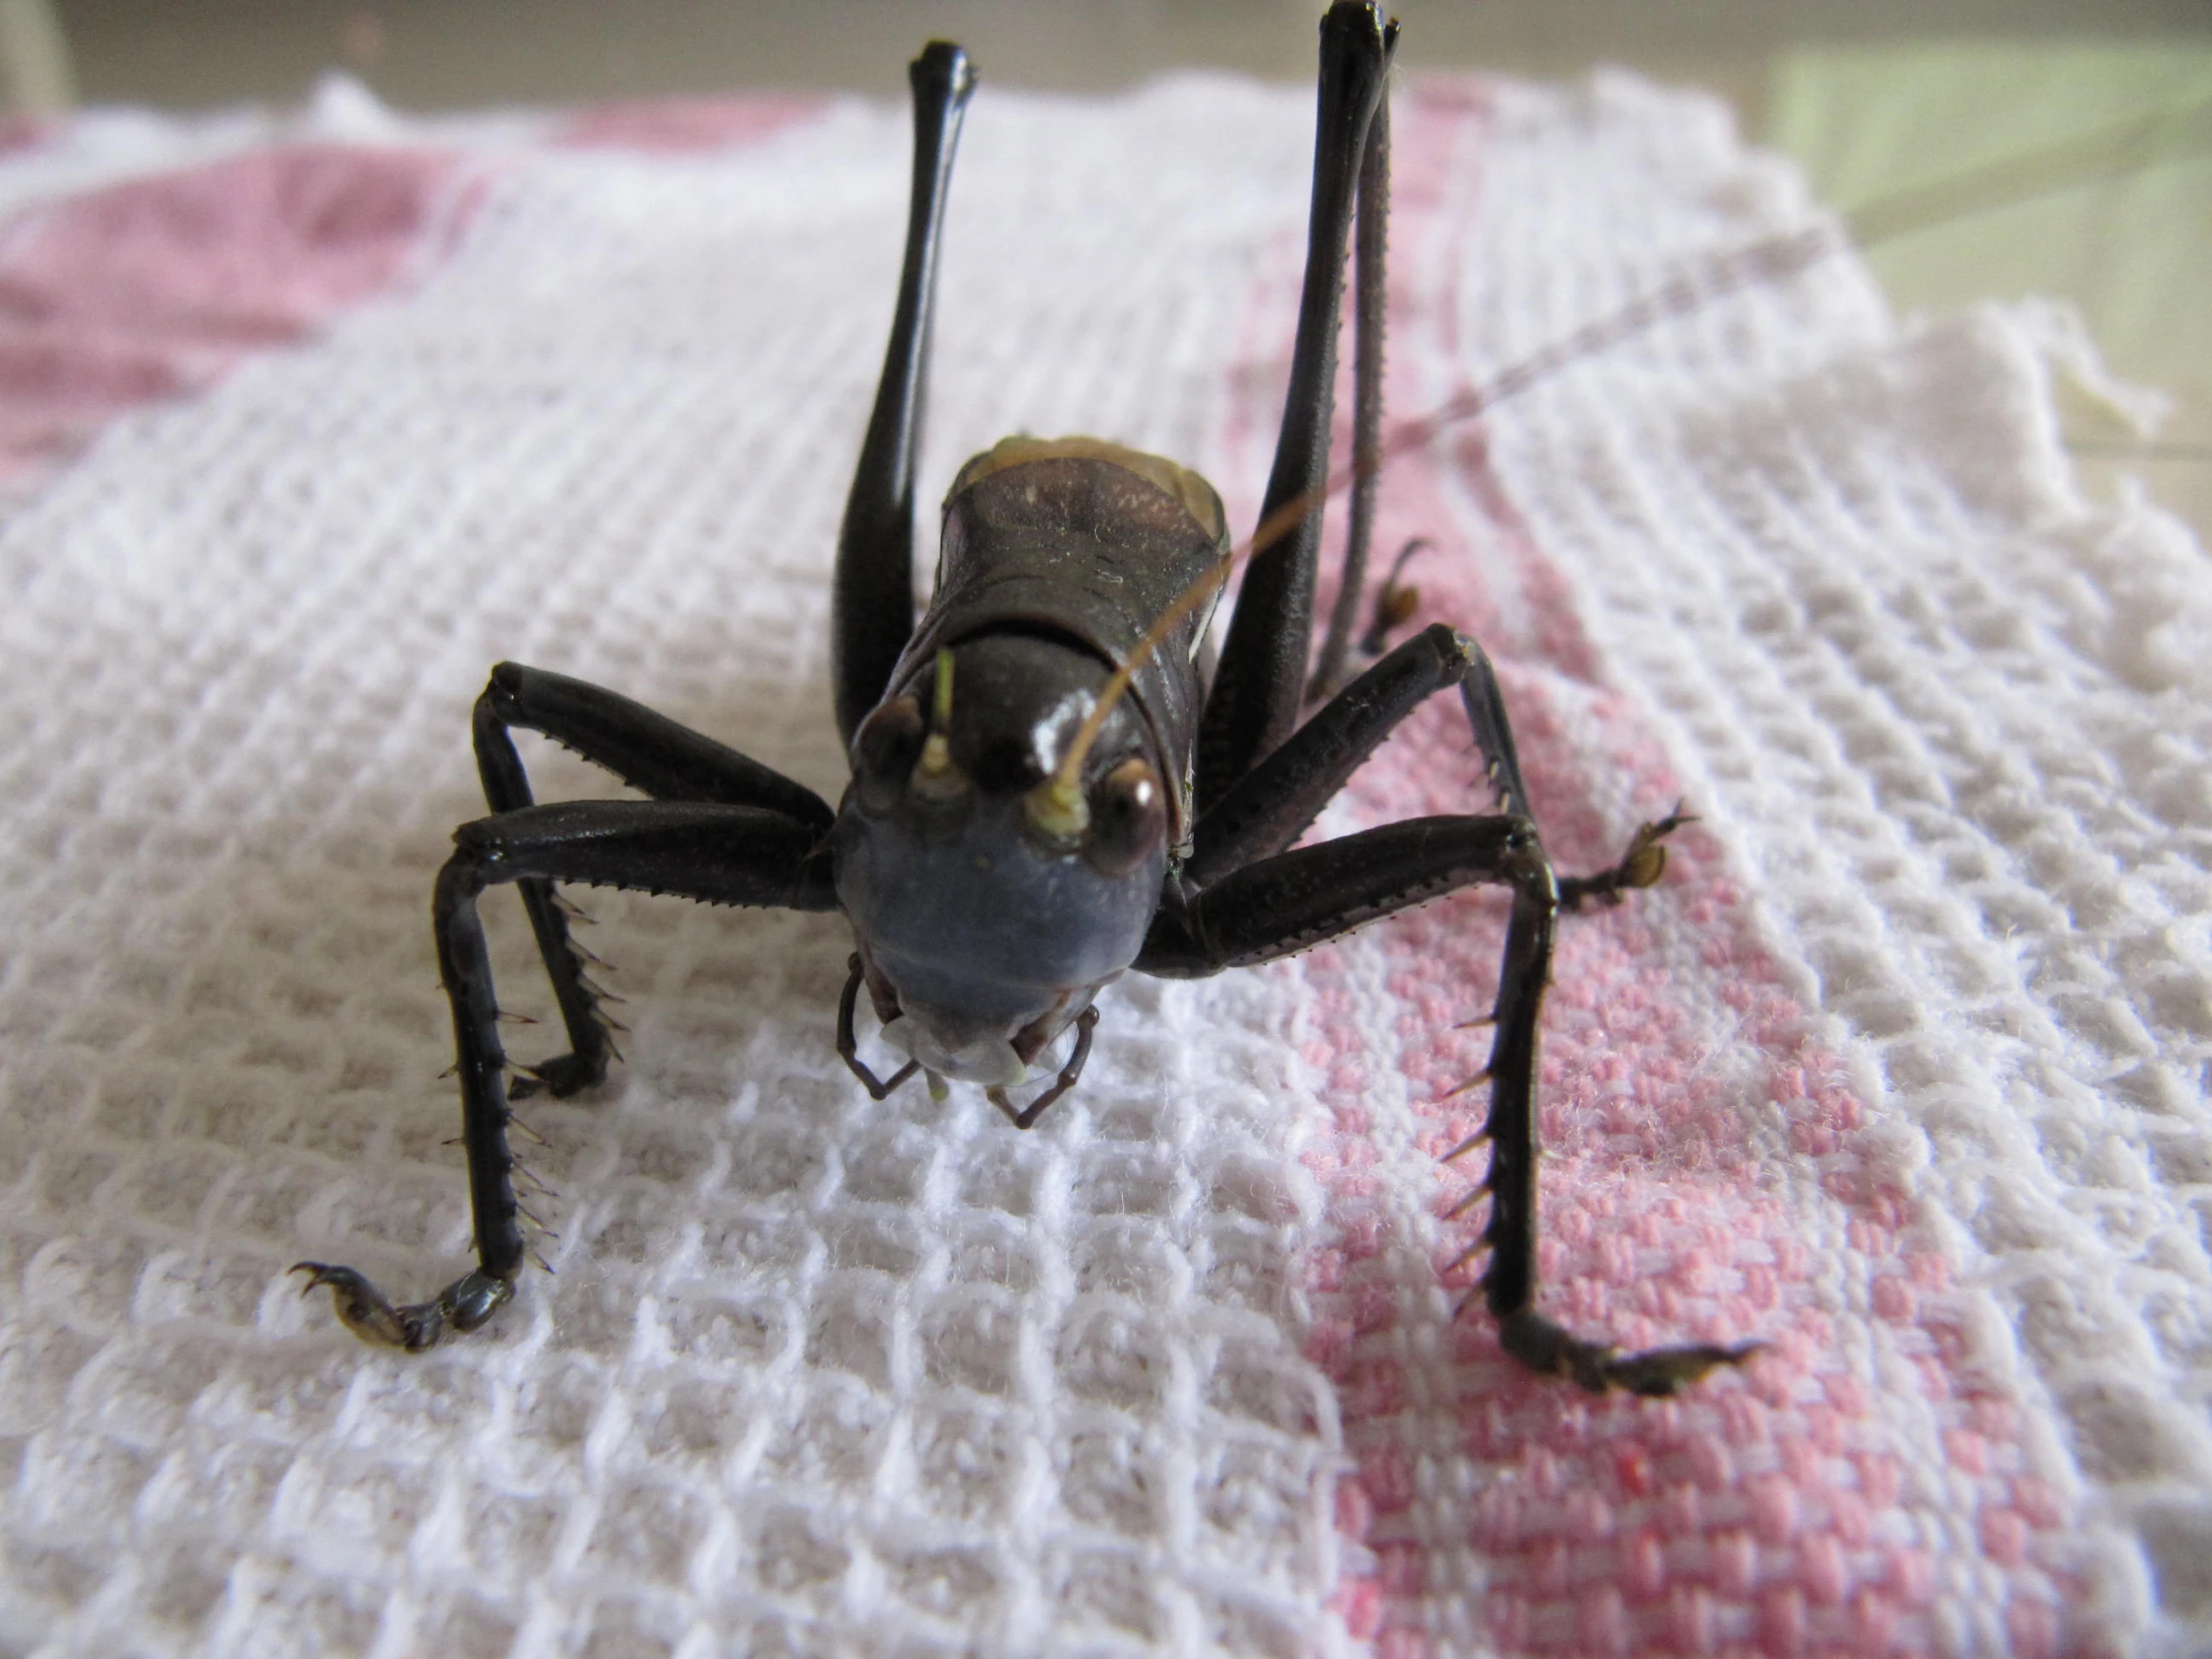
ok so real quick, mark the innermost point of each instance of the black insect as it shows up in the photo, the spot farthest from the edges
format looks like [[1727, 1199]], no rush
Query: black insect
[[1046, 791]]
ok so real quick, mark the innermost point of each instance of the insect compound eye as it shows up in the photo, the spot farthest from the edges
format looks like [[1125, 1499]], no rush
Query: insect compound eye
[[884, 750], [1129, 814]]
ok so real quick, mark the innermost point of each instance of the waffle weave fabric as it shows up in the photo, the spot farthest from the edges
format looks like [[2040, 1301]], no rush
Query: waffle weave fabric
[[1902, 1070]]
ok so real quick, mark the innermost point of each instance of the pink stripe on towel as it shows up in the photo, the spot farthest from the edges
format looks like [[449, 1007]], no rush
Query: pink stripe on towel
[[149, 288], [1711, 1174], [686, 126]]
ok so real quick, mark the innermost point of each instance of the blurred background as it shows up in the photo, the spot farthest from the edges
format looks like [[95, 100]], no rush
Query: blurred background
[[2068, 142]]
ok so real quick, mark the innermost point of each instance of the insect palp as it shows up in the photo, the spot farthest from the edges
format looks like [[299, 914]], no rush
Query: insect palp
[[848, 1048], [1024, 1117]]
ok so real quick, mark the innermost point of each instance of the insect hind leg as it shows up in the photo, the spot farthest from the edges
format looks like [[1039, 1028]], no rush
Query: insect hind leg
[[1260, 682], [870, 600], [1371, 288]]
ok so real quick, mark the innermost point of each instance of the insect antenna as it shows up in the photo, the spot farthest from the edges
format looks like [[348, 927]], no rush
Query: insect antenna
[[2119, 150], [936, 778], [1781, 255]]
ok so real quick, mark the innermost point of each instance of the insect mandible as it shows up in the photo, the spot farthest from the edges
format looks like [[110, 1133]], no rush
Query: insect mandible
[[1048, 787]]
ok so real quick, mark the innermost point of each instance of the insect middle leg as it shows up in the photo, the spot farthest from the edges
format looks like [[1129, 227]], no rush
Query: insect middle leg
[[711, 852], [646, 751]]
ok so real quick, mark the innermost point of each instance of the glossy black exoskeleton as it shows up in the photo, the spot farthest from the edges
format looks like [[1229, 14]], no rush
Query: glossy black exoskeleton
[[1048, 788]]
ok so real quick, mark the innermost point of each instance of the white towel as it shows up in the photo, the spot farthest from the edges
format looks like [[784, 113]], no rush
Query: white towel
[[1902, 1070]]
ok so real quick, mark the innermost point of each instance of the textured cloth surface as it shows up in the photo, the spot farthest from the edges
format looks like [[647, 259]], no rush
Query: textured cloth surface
[[1902, 1072]]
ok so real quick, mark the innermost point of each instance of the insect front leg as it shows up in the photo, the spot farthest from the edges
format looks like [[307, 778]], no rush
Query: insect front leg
[[646, 751], [711, 852]]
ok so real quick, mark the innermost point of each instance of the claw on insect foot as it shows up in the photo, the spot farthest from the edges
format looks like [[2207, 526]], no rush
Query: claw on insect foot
[[363, 1309], [1550, 1351], [1642, 866]]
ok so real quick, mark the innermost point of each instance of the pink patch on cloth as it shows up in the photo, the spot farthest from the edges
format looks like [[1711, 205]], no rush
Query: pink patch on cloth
[[686, 126], [23, 132], [150, 289], [1861, 1489]]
